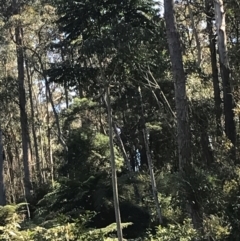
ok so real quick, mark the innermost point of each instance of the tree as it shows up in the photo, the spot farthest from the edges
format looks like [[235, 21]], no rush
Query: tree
[[113, 165], [183, 133], [2, 186], [22, 102], [230, 128], [149, 160], [183, 130], [213, 52]]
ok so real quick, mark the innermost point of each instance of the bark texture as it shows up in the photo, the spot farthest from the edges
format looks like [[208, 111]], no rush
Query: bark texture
[[2, 187], [230, 128], [213, 52], [23, 113], [183, 130]]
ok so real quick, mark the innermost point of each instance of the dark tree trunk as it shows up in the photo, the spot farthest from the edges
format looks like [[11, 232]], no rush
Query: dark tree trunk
[[23, 113], [183, 131], [212, 47], [35, 142], [183, 128]]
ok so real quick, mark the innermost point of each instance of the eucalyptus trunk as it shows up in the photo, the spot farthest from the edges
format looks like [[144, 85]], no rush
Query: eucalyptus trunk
[[49, 136], [230, 128], [149, 160], [43, 156], [198, 44], [120, 142], [213, 52], [35, 142], [183, 128], [23, 113], [121, 145], [11, 176], [50, 99], [2, 186], [113, 165]]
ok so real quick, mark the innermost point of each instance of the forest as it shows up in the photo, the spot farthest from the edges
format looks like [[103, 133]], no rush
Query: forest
[[119, 120]]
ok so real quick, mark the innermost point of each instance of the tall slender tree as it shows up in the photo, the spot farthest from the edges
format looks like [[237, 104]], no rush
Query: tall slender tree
[[22, 101], [230, 128], [149, 159], [183, 131], [114, 174], [2, 187], [183, 128], [213, 52], [35, 142]]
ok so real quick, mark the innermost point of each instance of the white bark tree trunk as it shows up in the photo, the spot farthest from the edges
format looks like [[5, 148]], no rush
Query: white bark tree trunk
[[230, 128]]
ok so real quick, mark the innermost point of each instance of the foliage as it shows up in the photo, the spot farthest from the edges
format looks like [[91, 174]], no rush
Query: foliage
[[181, 232], [60, 229], [71, 49]]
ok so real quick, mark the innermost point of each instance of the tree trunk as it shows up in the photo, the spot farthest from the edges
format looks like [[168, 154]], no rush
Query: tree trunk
[[203, 125], [23, 113], [183, 129], [149, 160], [49, 147], [2, 187], [50, 99], [35, 143], [198, 45], [66, 94], [43, 156], [230, 127], [114, 174], [212, 47], [9, 158], [121, 145]]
